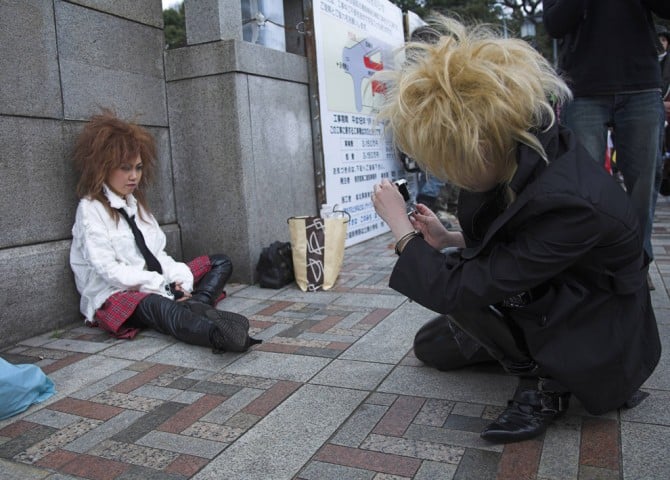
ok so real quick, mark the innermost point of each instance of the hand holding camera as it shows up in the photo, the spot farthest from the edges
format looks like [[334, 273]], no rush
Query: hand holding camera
[[391, 206], [401, 184], [424, 221]]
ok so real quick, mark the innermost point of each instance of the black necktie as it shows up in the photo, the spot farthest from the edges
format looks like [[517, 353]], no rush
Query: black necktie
[[152, 262]]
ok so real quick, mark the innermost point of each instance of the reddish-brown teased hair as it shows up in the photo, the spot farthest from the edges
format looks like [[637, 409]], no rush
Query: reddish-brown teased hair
[[104, 144]]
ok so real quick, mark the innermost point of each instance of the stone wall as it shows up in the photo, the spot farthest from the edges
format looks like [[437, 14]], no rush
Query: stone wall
[[234, 142], [242, 149]]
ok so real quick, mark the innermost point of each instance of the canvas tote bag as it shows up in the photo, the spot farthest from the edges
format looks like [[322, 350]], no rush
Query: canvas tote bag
[[317, 245]]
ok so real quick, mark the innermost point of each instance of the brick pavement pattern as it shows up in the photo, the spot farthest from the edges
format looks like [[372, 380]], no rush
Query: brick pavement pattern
[[334, 392]]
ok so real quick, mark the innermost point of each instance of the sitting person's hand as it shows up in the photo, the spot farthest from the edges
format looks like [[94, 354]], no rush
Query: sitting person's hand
[[185, 294]]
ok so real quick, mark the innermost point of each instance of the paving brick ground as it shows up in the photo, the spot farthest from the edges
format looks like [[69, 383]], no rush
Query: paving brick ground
[[334, 392]]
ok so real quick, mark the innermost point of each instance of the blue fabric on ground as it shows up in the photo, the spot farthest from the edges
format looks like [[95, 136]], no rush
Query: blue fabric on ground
[[22, 386]]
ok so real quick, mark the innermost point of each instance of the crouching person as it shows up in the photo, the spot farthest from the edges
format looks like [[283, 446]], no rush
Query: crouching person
[[548, 276], [126, 279]]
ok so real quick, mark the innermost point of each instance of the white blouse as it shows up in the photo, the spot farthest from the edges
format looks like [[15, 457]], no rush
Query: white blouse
[[105, 258]]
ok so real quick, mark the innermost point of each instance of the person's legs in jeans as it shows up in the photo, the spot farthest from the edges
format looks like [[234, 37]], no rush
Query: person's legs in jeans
[[429, 190], [589, 119], [638, 123]]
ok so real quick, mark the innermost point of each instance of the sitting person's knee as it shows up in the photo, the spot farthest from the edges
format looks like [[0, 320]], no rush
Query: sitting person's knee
[[220, 260]]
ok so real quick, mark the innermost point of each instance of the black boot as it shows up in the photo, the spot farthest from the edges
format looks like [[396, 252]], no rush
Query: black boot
[[635, 399], [210, 287], [232, 329], [527, 415], [173, 318]]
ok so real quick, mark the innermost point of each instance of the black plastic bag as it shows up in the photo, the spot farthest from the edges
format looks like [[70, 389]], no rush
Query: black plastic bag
[[275, 265]]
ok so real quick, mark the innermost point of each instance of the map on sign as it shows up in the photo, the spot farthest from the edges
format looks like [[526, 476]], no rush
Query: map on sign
[[361, 61], [351, 57]]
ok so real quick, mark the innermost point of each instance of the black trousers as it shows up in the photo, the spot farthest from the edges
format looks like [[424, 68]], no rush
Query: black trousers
[[469, 337], [177, 318], [173, 318]]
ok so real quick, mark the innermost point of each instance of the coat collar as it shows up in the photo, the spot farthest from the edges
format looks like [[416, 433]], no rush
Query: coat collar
[[530, 167], [529, 163], [115, 201]]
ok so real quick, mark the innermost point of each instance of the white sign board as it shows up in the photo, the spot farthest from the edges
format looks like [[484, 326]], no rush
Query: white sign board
[[354, 39], [413, 22]]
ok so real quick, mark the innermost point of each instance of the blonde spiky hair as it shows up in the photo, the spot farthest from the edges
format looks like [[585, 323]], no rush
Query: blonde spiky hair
[[460, 105]]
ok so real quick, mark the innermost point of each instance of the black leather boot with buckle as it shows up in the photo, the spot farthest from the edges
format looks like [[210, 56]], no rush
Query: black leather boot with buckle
[[231, 332], [210, 287], [527, 415]]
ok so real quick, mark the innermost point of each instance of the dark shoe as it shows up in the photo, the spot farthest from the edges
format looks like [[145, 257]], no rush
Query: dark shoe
[[231, 334], [526, 416], [232, 329], [635, 399], [650, 284]]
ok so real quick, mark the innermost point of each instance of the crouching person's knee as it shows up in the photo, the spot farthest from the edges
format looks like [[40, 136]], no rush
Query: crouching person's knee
[[436, 345]]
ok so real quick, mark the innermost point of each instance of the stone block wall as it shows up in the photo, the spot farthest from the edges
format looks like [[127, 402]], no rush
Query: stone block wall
[[241, 146], [231, 121], [60, 62]]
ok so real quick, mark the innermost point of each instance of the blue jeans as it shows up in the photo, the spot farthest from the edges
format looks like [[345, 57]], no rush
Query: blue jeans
[[429, 185], [637, 121]]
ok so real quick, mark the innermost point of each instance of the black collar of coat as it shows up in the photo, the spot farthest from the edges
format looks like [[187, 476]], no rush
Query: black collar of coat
[[530, 166], [529, 163]]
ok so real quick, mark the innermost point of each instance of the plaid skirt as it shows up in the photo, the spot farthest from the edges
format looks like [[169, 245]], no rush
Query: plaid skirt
[[119, 307]]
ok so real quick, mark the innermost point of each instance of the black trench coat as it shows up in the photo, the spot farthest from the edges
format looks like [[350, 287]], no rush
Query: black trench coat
[[572, 235]]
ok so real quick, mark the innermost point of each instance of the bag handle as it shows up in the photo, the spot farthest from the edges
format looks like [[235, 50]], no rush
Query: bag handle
[[335, 211]]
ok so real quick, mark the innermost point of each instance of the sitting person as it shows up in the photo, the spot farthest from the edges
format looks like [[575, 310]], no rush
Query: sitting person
[[548, 275], [126, 279]]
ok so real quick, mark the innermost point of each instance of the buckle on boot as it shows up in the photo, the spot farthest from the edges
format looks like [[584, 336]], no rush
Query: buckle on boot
[[527, 416], [529, 368], [554, 403]]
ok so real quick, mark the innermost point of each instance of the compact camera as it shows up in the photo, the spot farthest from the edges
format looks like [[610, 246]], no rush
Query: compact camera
[[401, 184]]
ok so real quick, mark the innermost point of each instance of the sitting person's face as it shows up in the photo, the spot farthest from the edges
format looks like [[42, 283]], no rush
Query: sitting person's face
[[125, 179]]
